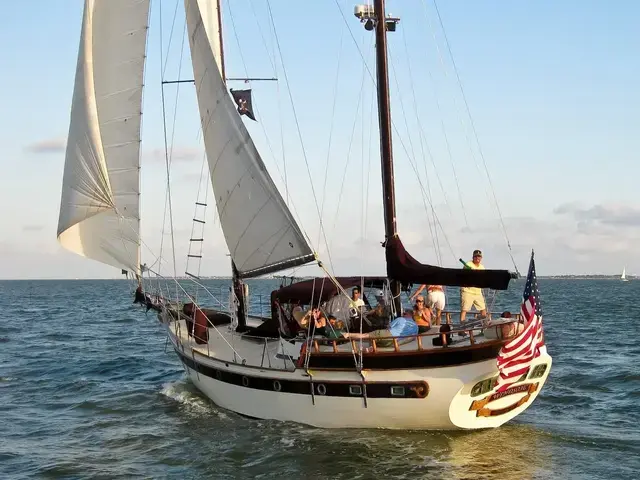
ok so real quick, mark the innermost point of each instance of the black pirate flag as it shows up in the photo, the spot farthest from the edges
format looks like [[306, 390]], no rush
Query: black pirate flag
[[243, 100]]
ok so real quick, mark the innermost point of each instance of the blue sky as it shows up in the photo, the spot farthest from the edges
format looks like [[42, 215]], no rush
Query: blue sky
[[552, 89]]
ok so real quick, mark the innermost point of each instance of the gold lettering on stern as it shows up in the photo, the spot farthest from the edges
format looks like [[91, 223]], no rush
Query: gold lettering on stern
[[481, 405]]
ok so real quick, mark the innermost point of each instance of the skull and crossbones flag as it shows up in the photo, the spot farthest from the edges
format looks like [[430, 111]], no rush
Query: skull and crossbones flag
[[243, 100]]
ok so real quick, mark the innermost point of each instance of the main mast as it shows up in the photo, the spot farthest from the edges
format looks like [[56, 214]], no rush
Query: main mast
[[376, 18]]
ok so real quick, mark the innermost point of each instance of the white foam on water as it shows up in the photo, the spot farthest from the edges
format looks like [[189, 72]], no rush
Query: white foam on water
[[288, 442], [180, 392]]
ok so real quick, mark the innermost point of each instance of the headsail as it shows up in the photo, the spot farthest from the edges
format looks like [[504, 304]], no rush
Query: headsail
[[261, 233], [99, 210]]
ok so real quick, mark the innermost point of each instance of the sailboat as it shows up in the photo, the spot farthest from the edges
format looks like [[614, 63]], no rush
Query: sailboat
[[623, 277], [278, 367]]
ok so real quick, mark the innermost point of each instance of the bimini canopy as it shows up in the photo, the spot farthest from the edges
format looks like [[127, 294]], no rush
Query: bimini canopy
[[320, 289]]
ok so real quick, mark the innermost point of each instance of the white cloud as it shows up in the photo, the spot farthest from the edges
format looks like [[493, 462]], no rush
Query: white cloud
[[178, 154], [604, 214], [576, 239], [51, 145], [32, 228]]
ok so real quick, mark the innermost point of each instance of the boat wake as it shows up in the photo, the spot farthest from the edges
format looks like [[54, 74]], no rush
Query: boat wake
[[180, 392]]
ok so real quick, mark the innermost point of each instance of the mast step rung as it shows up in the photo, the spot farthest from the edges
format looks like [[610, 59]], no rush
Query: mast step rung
[[194, 256], [201, 204], [192, 275], [196, 239], [199, 221]]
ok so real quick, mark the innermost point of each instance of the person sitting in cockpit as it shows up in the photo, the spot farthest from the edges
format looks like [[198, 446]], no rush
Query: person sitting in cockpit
[[403, 326], [315, 314]]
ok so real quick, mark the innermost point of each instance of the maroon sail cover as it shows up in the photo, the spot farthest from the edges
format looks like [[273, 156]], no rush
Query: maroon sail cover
[[404, 268]]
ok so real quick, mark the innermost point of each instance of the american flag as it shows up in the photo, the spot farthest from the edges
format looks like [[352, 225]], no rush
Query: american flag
[[516, 356]]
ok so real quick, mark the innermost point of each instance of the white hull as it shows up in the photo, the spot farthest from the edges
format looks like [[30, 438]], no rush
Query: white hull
[[251, 390]]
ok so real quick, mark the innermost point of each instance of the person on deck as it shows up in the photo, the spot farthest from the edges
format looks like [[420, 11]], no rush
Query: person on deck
[[315, 314], [334, 328], [143, 298], [400, 327], [356, 300], [421, 315], [435, 299], [472, 296]]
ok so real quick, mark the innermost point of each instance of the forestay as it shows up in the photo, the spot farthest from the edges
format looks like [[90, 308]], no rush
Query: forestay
[[259, 229], [99, 211]]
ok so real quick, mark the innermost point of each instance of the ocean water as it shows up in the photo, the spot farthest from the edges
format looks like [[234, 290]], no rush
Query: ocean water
[[88, 389]]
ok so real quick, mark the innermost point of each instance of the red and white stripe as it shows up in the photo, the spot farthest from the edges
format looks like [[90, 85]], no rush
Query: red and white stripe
[[516, 356]]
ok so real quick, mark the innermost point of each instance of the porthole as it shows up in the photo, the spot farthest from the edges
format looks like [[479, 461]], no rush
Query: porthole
[[397, 391], [355, 390], [245, 381], [321, 389], [276, 386]]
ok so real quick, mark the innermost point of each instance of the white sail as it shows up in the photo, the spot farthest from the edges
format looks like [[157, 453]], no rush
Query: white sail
[[99, 210], [211, 19], [624, 274], [259, 229]]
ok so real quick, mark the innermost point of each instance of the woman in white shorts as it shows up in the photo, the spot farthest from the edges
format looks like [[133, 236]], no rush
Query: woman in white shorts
[[435, 299]]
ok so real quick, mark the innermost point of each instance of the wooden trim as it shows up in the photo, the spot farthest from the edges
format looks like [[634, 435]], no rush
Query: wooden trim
[[400, 360]]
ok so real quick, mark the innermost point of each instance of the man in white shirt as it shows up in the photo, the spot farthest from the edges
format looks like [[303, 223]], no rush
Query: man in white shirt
[[355, 298]]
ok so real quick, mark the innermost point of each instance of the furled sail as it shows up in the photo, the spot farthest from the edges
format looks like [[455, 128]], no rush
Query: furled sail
[[99, 210], [261, 233], [403, 267]]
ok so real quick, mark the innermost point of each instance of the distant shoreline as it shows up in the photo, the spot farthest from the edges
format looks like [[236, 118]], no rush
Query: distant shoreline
[[543, 277]]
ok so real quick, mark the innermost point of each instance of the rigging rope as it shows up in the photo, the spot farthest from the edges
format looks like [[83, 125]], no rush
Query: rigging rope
[[270, 54], [173, 22], [333, 113], [392, 122], [163, 71], [475, 133], [429, 199], [405, 148], [447, 143], [434, 230], [179, 286], [273, 60], [344, 172], [282, 173], [295, 116], [167, 159], [202, 227], [364, 207]]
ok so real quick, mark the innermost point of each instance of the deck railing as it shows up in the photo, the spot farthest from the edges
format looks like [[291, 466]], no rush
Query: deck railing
[[504, 331], [396, 342]]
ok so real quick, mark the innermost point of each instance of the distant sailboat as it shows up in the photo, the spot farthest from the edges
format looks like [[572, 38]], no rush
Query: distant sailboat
[[623, 277]]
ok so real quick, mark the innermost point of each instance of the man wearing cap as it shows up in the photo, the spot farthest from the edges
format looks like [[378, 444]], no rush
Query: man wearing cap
[[472, 296]]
